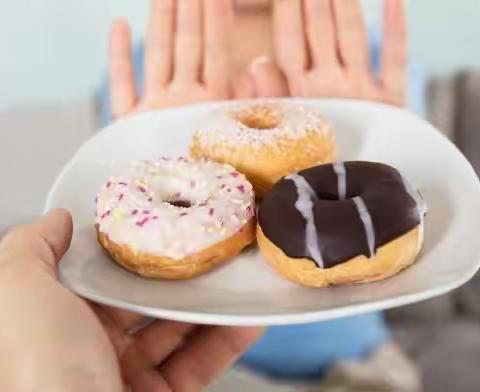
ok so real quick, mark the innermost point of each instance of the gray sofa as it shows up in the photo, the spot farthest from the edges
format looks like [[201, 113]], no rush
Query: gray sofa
[[443, 335]]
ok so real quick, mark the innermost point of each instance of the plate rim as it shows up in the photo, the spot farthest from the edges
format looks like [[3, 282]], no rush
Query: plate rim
[[211, 318]]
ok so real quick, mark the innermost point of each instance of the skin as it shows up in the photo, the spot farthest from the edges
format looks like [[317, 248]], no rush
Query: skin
[[65, 343], [321, 47], [306, 48], [187, 56]]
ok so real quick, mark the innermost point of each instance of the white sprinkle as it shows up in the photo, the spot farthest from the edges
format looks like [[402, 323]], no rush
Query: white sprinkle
[[294, 121]]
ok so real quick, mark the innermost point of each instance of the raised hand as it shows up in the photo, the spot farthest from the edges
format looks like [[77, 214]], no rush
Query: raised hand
[[187, 57], [321, 46], [52, 340]]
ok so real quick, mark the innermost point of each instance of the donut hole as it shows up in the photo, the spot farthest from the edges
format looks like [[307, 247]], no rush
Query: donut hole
[[259, 117], [180, 203]]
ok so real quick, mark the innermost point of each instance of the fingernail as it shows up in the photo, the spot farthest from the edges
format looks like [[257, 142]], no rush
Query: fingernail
[[258, 62]]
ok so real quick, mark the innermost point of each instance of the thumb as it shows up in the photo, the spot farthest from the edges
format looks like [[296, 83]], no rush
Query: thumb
[[45, 241], [268, 79]]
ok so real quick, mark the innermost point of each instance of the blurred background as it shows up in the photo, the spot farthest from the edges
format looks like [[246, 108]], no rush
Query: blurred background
[[53, 60], [54, 50]]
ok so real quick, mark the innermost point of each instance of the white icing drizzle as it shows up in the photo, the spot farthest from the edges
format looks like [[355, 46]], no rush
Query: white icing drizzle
[[420, 203], [367, 223], [415, 195], [340, 171], [304, 205]]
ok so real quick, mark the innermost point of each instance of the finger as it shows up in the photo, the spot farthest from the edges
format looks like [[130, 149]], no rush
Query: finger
[[157, 341], [289, 37], [394, 56], [268, 78], [244, 86], [321, 32], [148, 380], [217, 22], [188, 46], [159, 46], [126, 320], [44, 242], [351, 34], [122, 74], [150, 348], [206, 356]]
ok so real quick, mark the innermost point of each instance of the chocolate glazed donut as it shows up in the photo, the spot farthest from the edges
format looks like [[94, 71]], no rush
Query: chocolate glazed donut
[[341, 223]]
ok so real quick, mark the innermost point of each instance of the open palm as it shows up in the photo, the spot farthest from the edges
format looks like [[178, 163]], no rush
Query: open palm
[[321, 46], [187, 57]]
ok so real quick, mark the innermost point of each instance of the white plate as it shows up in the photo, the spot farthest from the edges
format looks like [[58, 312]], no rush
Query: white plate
[[246, 291]]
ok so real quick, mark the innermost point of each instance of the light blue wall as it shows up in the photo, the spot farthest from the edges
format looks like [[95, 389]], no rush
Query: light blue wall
[[55, 49]]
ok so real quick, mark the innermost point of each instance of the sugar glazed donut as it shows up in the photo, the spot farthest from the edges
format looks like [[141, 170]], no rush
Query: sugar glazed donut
[[175, 218], [342, 223], [265, 140]]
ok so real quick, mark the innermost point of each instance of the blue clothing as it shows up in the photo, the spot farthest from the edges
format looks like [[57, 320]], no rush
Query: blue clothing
[[306, 351]]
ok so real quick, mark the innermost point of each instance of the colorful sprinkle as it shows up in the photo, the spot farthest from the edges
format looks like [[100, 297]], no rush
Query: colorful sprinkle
[[241, 188], [183, 214], [155, 217], [123, 183], [142, 222], [142, 189], [146, 212], [223, 186], [134, 212], [211, 211], [229, 190], [120, 197], [105, 214], [234, 174], [109, 184]]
